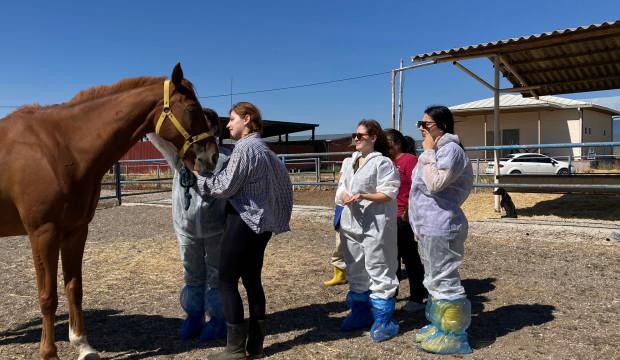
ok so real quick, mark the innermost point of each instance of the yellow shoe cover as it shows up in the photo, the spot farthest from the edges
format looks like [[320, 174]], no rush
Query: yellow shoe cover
[[338, 279], [424, 332], [453, 316], [444, 343], [451, 320]]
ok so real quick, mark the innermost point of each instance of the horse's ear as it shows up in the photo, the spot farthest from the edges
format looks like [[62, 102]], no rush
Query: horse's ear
[[177, 75]]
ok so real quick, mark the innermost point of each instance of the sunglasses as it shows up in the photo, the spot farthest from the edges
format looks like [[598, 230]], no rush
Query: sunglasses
[[425, 124], [358, 136]]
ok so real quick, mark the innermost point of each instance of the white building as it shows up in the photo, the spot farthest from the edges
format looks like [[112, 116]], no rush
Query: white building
[[547, 120]]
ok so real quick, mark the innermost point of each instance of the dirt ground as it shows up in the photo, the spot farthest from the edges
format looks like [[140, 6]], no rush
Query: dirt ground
[[543, 286]]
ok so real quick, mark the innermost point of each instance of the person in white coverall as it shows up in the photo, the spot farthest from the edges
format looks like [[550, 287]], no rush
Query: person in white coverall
[[441, 182], [199, 225], [368, 188]]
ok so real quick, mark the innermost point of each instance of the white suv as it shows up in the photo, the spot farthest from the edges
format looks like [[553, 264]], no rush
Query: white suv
[[530, 163]]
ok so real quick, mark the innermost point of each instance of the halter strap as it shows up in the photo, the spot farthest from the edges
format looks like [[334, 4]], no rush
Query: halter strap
[[167, 114]]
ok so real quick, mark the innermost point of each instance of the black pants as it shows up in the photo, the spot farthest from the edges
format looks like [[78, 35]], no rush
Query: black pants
[[408, 252], [241, 257]]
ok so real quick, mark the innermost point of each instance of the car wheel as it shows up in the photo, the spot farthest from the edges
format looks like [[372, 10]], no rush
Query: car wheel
[[563, 172], [515, 172]]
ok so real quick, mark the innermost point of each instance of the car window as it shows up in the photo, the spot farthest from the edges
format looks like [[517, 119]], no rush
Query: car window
[[540, 159]]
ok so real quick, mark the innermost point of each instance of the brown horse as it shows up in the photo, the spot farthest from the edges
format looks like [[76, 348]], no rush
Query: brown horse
[[53, 159]]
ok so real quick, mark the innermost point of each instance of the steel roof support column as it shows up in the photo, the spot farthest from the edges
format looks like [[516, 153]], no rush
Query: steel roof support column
[[496, 137]]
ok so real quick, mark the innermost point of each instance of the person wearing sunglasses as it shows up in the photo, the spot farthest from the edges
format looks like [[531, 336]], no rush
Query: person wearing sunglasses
[[441, 182], [368, 187], [403, 154]]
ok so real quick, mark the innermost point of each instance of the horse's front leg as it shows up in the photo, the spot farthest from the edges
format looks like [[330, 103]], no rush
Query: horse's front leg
[[72, 251], [44, 241]]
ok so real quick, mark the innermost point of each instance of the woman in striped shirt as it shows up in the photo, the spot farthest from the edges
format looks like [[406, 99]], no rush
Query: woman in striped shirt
[[260, 202]]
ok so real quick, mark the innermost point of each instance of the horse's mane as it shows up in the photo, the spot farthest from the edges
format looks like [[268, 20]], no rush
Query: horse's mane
[[97, 92]]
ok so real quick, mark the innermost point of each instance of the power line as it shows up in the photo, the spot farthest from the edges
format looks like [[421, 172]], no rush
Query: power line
[[297, 86], [268, 90]]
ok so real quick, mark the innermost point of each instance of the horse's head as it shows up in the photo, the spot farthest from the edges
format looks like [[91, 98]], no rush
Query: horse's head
[[183, 123]]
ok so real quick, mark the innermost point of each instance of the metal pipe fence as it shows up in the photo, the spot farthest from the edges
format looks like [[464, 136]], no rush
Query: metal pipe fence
[[306, 170]]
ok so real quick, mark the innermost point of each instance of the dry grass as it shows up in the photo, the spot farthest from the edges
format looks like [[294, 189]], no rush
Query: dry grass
[[480, 205], [534, 293]]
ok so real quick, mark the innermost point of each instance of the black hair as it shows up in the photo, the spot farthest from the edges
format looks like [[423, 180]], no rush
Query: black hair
[[213, 119], [407, 144], [410, 148], [442, 116]]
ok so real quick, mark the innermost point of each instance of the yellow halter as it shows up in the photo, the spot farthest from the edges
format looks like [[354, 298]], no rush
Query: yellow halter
[[167, 114]]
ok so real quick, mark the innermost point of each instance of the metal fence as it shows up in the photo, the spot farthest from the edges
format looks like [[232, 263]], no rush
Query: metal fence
[[320, 170]]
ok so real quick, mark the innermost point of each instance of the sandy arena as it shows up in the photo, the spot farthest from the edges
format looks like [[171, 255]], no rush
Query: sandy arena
[[544, 286]]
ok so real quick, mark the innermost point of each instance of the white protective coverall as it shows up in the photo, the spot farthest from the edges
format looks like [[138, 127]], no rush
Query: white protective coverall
[[204, 221], [368, 228], [199, 231], [441, 183]]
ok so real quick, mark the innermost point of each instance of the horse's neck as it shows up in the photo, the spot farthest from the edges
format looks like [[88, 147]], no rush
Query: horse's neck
[[110, 126]]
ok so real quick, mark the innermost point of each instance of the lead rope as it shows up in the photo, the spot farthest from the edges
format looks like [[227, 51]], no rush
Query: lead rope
[[187, 180]]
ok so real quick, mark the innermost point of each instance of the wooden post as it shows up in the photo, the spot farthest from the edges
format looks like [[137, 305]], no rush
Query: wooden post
[[400, 97], [393, 99]]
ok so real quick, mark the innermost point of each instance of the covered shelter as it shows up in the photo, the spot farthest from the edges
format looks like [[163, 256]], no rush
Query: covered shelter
[[581, 59], [271, 128]]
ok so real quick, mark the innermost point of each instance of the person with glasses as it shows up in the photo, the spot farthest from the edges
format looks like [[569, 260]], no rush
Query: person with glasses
[[441, 182], [403, 154], [368, 188]]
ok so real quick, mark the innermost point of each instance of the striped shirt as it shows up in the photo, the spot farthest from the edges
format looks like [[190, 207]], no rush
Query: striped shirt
[[257, 185]]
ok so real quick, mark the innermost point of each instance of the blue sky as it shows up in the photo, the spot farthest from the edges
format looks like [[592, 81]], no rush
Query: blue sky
[[52, 50]]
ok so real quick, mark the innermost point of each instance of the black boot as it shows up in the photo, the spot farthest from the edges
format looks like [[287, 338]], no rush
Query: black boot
[[235, 343], [256, 337]]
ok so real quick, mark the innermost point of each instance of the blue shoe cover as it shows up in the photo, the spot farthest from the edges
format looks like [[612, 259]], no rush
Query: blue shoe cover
[[192, 301], [383, 328], [429, 311], [360, 316], [214, 329], [192, 326], [213, 304]]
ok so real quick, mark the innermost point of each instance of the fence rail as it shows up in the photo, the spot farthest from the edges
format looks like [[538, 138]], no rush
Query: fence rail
[[322, 163]]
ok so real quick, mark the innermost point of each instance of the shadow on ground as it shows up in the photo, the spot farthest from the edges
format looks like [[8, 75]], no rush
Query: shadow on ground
[[590, 206], [487, 326], [133, 336], [153, 335]]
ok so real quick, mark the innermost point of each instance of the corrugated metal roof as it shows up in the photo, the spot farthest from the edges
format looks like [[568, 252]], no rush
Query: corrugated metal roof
[[585, 58], [271, 127], [516, 102]]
